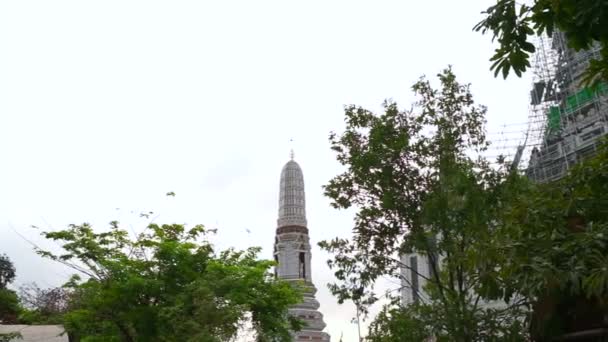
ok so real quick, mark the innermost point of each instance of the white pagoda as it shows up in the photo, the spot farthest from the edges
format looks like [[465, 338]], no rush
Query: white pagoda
[[292, 251]]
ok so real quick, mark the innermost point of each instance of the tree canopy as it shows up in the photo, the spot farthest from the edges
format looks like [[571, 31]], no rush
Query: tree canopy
[[168, 284], [512, 23], [553, 239], [418, 186], [9, 301], [509, 259], [43, 306], [7, 271]]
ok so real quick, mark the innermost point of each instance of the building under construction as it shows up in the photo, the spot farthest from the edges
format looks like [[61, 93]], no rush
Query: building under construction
[[567, 120]]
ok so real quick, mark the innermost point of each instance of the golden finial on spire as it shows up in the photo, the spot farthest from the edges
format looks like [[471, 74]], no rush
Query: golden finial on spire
[[291, 154]]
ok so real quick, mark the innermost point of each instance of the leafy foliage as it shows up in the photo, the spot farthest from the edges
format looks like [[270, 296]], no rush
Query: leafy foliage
[[9, 306], [554, 240], [398, 324], [413, 180], [420, 322], [512, 23], [9, 302], [497, 235], [43, 306], [168, 285], [7, 271], [12, 336]]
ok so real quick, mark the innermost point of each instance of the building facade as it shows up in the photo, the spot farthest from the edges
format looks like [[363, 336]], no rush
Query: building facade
[[415, 270], [292, 252]]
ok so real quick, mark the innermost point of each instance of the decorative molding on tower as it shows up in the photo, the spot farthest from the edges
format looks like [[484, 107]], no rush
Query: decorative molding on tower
[[292, 251], [292, 202]]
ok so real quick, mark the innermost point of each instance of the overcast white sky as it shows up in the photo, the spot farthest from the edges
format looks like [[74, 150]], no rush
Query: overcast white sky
[[110, 104]]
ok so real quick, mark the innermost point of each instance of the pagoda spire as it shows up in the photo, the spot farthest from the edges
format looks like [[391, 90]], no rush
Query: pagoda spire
[[292, 251]]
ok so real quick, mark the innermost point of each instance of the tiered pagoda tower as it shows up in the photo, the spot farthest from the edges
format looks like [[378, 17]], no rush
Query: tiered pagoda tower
[[292, 251]]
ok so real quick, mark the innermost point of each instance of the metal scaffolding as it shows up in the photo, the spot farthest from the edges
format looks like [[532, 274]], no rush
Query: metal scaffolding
[[566, 120]]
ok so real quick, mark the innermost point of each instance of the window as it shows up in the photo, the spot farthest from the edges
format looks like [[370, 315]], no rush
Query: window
[[414, 277], [302, 265], [276, 259], [432, 257], [432, 265]]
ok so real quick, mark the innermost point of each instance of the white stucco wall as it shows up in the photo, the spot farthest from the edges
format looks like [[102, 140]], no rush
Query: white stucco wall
[[31, 333]]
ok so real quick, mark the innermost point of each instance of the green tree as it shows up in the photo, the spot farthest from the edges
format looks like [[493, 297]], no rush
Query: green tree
[[43, 306], [7, 271], [554, 242], [9, 301], [398, 324], [418, 322], [513, 23], [9, 306], [168, 284], [417, 185]]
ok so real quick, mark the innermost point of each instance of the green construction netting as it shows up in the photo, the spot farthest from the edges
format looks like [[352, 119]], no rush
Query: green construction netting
[[572, 103], [583, 96], [554, 119]]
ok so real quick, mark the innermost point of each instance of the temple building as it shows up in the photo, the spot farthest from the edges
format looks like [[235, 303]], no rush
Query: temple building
[[572, 119], [292, 251]]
